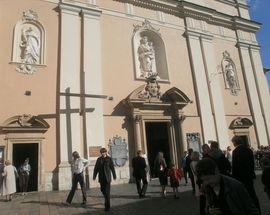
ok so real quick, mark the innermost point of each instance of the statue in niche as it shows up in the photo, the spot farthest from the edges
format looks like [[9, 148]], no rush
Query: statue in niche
[[30, 51], [30, 46], [146, 54], [231, 78]]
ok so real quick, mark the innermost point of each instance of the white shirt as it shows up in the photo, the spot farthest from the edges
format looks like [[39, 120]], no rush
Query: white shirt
[[79, 165]]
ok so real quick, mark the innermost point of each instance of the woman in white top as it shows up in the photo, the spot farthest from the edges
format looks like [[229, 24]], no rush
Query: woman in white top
[[9, 180]]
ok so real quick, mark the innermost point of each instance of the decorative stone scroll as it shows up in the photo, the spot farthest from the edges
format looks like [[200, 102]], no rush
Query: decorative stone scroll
[[230, 74], [28, 43], [149, 52], [118, 151]]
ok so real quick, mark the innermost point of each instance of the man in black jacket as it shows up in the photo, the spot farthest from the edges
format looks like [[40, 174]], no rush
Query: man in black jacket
[[104, 167], [243, 167], [139, 173]]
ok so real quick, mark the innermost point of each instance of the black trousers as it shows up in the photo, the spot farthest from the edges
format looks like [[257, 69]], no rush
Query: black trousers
[[105, 188], [185, 174], [191, 176], [23, 182], [202, 204], [141, 189], [75, 179], [249, 185]]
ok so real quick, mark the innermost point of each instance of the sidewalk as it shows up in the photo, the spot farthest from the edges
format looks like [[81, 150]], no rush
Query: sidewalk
[[124, 201]]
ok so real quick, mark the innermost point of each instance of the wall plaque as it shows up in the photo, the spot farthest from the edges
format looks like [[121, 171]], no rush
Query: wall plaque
[[118, 151]]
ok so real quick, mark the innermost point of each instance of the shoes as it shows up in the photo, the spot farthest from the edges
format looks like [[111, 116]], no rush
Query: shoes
[[66, 203], [107, 208], [83, 203]]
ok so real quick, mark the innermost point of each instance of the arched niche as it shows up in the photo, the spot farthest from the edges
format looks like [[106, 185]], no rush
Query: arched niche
[[28, 43], [149, 52], [230, 74]]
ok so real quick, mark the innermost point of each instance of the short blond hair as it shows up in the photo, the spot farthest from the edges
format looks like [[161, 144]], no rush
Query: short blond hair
[[7, 162]]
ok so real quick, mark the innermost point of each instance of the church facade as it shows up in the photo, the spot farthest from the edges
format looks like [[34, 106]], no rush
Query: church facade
[[153, 75]]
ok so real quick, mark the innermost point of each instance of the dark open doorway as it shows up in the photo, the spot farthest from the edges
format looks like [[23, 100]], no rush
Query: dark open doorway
[[157, 141], [22, 151]]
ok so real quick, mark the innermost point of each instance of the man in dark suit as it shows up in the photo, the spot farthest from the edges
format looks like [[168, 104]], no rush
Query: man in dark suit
[[104, 167], [139, 173], [243, 167]]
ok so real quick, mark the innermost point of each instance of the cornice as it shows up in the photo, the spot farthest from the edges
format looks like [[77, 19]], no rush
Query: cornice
[[89, 10], [182, 8]]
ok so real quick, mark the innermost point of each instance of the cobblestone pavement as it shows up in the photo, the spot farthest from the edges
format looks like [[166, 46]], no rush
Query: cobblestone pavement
[[124, 201]]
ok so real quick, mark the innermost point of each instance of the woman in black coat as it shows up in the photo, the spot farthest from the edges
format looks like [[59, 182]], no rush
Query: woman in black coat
[[160, 167]]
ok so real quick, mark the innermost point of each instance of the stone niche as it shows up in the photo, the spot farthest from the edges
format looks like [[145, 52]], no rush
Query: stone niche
[[149, 52], [28, 43]]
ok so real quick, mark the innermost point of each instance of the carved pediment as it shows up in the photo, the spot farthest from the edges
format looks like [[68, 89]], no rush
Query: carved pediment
[[241, 123], [176, 96], [25, 122]]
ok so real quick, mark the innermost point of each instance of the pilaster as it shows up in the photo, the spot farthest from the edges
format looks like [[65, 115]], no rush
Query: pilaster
[[215, 91], [262, 87], [92, 81], [70, 120], [252, 93], [201, 86]]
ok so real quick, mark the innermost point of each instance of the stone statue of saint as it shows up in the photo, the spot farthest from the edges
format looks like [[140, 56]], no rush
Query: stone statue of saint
[[30, 46], [146, 56], [231, 77]]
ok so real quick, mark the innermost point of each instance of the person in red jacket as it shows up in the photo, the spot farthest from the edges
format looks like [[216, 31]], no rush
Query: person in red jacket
[[175, 176]]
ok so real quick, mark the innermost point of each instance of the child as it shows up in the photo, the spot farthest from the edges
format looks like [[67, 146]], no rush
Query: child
[[175, 177]]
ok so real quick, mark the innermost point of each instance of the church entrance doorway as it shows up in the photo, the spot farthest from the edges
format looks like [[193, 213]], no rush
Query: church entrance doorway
[[20, 153], [157, 139]]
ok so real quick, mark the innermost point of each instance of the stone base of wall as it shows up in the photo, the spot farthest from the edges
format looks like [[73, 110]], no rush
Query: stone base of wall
[[64, 176], [63, 179]]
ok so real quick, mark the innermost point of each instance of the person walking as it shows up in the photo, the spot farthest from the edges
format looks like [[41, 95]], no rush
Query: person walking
[[24, 173], [9, 180], [79, 165], [104, 168], [184, 166], [243, 167], [225, 195], [139, 173], [160, 167], [223, 164], [195, 156], [175, 176], [190, 174], [205, 151]]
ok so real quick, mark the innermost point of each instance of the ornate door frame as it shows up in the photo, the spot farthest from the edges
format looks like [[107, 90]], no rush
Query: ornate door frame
[[26, 129]]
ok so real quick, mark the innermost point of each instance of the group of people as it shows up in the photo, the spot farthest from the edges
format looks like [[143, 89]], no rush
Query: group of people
[[9, 176], [104, 168], [223, 182], [161, 170]]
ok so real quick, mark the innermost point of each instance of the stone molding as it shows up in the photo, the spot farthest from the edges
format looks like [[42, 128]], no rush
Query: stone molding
[[187, 9]]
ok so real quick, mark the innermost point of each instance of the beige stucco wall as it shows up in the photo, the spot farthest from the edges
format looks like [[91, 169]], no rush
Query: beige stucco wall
[[42, 84], [117, 66]]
